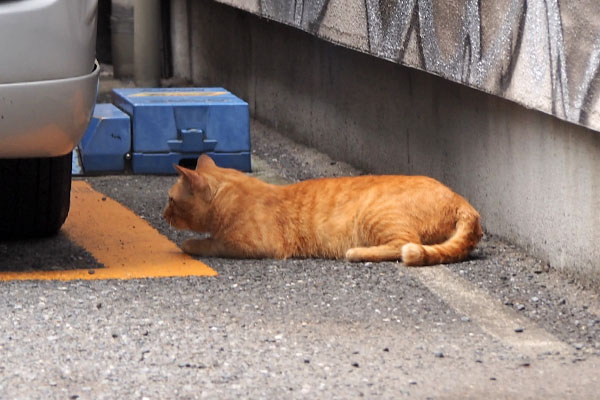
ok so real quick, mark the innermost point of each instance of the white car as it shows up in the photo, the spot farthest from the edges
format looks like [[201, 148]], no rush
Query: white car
[[48, 87]]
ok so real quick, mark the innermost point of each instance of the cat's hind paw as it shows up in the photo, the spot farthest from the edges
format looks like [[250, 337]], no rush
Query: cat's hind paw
[[373, 254], [413, 254], [354, 255]]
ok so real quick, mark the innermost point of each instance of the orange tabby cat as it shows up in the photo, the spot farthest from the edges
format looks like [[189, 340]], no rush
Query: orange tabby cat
[[366, 218]]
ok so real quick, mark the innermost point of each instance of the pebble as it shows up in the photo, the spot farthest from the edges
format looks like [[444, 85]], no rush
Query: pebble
[[439, 354], [579, 346], [520, 307], [519, 330]]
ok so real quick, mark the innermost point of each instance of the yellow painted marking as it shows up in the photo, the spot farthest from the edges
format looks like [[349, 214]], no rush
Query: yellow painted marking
[[126, 244], [177, 94]]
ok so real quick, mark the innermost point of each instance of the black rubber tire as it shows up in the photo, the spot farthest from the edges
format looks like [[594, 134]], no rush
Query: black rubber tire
[[35, 196]]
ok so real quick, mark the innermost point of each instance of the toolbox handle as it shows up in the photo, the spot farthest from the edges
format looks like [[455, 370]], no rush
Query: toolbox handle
[[191, 140]]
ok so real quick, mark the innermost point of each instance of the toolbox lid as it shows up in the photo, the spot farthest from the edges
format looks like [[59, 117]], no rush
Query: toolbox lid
[[107, 110], [180, 96]]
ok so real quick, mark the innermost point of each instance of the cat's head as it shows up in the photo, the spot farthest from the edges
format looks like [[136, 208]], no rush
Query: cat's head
[[190, 197]]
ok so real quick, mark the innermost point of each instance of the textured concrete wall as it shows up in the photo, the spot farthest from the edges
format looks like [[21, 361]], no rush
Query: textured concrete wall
[[534, 178], [543, 54]]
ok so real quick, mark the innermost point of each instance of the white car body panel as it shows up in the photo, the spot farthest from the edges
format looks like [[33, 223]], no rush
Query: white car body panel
[[48, 75]]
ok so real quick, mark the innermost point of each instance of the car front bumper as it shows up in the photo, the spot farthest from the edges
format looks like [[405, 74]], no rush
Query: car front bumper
[[46, 118]]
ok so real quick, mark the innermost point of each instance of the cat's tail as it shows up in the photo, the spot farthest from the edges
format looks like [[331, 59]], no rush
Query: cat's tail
[[456, 248]]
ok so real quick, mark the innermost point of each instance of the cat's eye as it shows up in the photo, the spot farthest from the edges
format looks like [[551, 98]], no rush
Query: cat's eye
[[171, 201]]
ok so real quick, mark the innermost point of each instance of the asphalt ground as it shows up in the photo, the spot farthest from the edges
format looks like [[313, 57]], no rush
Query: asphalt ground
[[500, 325]]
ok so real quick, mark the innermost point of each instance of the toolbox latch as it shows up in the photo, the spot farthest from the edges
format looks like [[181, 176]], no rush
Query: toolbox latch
[[191, 140]]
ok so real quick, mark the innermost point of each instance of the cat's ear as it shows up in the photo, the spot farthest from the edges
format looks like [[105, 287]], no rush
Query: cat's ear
[[205, 161], [194, 181]]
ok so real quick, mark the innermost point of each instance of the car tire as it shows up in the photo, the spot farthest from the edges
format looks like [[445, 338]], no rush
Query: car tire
[[35, 196]]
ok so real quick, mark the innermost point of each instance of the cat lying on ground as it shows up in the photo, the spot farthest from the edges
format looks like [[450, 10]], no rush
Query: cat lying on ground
[[365, 218]]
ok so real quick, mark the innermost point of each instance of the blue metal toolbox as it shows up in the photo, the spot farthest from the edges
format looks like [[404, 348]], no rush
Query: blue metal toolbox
[[175, 125], [107, 140]]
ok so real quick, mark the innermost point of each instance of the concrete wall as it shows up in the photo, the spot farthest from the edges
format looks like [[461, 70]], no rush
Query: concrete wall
[[543, 54], [534, 178]]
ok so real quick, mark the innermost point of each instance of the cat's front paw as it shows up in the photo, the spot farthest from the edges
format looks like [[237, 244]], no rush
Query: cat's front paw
[[190, 246], [204, 247]]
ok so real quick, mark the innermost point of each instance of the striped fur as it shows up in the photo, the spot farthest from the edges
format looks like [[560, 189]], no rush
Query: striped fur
[[367, 218]]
